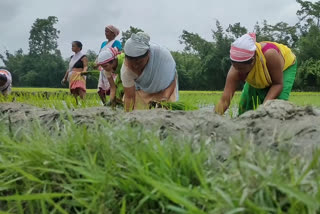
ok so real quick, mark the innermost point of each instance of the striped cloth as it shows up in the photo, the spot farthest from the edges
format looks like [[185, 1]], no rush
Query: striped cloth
[[244, 48]]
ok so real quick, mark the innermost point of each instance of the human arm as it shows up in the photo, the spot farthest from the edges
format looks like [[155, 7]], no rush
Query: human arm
[[64, 79], [168, 91], [129, 98], [128, 82], [229, 90], [85, 65], [112, 84]]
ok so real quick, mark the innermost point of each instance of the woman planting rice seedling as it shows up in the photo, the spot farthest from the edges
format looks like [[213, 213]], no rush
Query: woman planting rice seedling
[[5, 82], [78, 67], [149, 73], [268, 68], [111, 61], [111, 32]]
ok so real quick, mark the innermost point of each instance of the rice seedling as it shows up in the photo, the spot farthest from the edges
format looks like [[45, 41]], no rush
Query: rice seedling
[[188, 100]]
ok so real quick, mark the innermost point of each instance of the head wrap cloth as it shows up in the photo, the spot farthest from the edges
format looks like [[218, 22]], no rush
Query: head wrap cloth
[[113, 29], [107, 55], [137, 45], [244, 48]]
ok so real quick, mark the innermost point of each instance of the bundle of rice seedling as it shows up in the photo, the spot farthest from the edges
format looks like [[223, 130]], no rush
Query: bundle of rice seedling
[[94, 72], [175, 106]]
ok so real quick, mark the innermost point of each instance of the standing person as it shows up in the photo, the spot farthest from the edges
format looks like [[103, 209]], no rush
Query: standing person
[[268, 68], [111, 60], [5, 82], [78, 67], [111, 32], [148, 73]]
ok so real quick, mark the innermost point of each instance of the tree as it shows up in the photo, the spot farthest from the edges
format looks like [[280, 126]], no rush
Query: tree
[[43, 36], [188, 67], [92, 79], [236, 30], [194, 43], [91, 55], [308, 75], [214, 57], [285, 34], [127, 34], [44, 71], [309, 12], [281, 32], [14, 63], [263, 32], [309, 45], [195, 46], [29, 70], [43, 66]]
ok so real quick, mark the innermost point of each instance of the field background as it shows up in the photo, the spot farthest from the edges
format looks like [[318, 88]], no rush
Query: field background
[[60, 98]]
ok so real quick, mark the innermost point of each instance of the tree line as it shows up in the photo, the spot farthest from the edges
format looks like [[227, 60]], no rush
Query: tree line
[[202, 65]]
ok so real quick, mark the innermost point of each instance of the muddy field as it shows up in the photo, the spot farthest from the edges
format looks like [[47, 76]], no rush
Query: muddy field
[[277, 122]]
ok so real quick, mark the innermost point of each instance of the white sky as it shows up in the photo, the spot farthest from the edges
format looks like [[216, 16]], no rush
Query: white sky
[[164, 20]]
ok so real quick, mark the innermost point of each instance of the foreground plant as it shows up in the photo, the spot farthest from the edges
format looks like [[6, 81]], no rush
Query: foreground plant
[[117, 168]]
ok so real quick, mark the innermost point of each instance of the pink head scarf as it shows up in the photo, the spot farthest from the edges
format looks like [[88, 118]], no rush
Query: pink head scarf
[[107, 55], [113, 29], [244, 48]]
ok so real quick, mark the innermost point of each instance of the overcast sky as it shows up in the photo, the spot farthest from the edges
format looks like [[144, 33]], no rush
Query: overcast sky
[[164, 20]]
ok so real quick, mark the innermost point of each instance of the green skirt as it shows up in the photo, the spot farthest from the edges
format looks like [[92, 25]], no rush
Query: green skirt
[[252, 97]]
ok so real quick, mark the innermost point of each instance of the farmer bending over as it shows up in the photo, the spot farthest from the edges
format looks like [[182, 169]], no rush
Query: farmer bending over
[[148, 74], [5, 82], [268, 68], [111, 61]]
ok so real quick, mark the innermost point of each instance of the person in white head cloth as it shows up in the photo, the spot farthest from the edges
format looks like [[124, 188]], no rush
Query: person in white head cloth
[[267, 68], [111, 60], [148, 74], [5, 82], [111, 32]]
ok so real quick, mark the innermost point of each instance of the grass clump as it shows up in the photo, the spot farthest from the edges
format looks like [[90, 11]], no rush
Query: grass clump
[[117, 168]]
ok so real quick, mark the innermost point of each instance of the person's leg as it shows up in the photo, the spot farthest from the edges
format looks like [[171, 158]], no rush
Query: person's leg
[[142, 100], [251, 98], [289, 76], [75, 95], [81, 93]]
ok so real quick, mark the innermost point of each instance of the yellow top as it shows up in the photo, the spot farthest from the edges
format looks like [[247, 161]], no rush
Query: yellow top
[[259, 76]]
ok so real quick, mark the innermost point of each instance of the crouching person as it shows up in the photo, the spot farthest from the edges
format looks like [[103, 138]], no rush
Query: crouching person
[[5, 82], [148, 73], [111, 61]]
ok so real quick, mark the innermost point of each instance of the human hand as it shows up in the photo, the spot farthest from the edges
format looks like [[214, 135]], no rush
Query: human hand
[[111, 103], [218, 110], [63, 81]]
